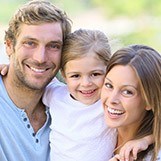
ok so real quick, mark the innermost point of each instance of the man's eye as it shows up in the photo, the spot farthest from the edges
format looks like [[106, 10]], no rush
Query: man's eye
[[29, 44], [54, 46]]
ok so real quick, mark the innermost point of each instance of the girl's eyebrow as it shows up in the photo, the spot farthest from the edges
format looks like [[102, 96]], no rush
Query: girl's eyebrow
[[72, 73], [99, 70]]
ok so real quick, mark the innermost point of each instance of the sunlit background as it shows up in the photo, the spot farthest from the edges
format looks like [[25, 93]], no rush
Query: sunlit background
[[123, 21]]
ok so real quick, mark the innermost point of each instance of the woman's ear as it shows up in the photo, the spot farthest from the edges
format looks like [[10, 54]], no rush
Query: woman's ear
[[9, 47], [148, 108]]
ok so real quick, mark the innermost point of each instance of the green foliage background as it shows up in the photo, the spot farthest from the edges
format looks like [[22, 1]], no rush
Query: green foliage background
[[132, 9], [142, 10], [139, 9]]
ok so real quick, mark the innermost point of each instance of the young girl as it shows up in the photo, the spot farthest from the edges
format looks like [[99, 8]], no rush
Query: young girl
[[79, 132], [131, 97], [78, 129]]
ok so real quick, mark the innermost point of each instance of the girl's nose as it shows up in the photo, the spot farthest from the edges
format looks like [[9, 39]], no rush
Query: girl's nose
[[86, 81]]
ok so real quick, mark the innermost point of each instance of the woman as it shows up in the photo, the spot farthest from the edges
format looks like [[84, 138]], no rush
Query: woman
[[131, 97]]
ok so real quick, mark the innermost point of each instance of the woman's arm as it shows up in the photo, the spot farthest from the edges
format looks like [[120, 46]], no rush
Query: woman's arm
[[3, 69]]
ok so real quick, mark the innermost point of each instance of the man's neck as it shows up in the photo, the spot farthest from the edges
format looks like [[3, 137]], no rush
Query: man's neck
[[22, 97], [29, 100]]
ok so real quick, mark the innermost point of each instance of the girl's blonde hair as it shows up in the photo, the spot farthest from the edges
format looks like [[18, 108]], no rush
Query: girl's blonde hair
[[82, 42]]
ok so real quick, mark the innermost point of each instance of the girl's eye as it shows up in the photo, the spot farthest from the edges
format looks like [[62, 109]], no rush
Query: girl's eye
[[95, 74], [74, 76]]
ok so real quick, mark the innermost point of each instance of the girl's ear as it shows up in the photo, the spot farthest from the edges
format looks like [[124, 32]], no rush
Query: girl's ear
[[9, 47]]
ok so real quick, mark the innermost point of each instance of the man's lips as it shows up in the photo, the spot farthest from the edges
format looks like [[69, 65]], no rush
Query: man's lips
[[38, 70]]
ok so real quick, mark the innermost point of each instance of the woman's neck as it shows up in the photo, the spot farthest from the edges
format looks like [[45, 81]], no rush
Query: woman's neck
[[124, 135]]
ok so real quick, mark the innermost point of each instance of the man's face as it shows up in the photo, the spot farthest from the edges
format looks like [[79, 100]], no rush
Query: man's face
[[35, 59]]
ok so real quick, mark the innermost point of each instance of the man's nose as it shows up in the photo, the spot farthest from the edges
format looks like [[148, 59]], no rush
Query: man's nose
[[40, 55]]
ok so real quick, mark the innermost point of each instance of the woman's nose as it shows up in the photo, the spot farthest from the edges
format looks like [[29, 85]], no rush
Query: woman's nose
[[114, 97]]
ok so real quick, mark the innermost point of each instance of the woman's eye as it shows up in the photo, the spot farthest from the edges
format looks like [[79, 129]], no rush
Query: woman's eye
[[127, 92], [108, 85]]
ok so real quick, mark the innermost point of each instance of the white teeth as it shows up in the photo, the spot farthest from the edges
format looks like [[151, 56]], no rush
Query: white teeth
[[87, 92], [115, 111], [37, 70]]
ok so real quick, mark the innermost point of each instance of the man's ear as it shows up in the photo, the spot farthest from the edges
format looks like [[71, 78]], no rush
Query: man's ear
[[63, 74], [9, 47]]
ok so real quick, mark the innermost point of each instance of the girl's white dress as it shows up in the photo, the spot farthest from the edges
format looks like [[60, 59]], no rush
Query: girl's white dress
[[78, 131]]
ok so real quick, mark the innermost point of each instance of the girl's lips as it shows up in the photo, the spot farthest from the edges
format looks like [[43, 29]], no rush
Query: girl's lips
[[88, 93]]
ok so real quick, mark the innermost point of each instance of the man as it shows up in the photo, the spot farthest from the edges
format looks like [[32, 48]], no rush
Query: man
[[34, 42]]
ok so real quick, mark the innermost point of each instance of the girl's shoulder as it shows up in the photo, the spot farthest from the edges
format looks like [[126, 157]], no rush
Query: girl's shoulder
[[159, 156]]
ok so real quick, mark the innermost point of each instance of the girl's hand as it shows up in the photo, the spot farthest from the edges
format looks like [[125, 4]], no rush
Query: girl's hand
[[3, 69]]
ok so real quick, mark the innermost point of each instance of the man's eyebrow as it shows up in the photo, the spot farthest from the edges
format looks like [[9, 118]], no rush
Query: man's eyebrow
[[34, 39], [29, 38], [57, 41]]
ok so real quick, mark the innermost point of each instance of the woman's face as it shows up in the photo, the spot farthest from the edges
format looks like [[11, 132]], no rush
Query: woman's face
[[123, 103]]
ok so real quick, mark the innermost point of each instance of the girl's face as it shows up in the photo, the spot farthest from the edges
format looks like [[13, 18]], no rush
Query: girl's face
[[123, 103], [84, 77]]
